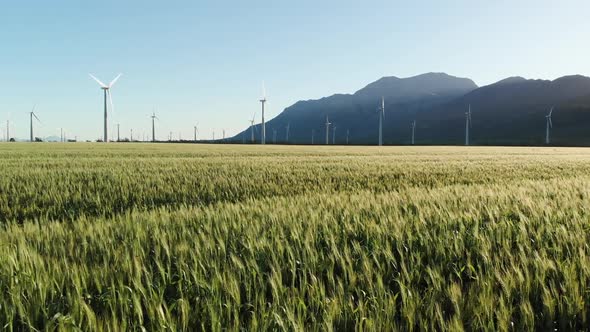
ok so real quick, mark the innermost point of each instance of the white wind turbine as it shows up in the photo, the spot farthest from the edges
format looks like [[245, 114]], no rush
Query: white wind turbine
[[334, 134], [252, 127], [263, 129], [312, 135], [196, 131], [107, 91], [467, 124], [8, 129], [287, 133], [327, 131], [154, 117], [549, 125], [32, 114], [413, 126], [381, 111]]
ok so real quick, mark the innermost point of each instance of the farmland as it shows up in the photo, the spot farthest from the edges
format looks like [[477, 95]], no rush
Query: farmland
[[212, 237]]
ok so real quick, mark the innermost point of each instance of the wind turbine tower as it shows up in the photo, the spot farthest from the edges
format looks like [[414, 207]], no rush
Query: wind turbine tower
[[413, 125], [107, 91], [287, 133], [196, 131], [381, 111], [32, 114], [347, 135], [467, 125], [334, 135], [327, 131], [118, 132], [252, 127], [549, 125], [312, 135], [154, 117], [263, 130]]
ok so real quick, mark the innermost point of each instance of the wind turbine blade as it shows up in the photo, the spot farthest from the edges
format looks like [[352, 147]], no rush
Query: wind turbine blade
[[551, 111], [111, 102], [114, 80], [98, 81], [550, 123], [35, 115]]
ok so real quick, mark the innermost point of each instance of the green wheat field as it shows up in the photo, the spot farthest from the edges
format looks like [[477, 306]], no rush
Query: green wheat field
[[185, 237]]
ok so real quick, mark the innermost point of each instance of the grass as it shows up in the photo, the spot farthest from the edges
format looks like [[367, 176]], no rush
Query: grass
[[183, 237]]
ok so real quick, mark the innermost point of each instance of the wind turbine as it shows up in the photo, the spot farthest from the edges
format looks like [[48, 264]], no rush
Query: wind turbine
[[334, 135], [196, 131], [32, 114], [549, 125], [381, 111], [327, 131], [252, 127], [413, 126], [8, 128], [312, 135], [153, 116], [263, 130], [118, 132], [287, 133], [107, 91], [467, 124], [224, 134], [131, 136]]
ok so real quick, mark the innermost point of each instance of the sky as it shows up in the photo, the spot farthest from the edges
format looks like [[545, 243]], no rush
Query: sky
[[204, 61]]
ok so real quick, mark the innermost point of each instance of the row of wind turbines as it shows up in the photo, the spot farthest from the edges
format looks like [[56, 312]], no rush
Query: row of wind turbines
[[108, 95], [381, 112], [108, 101]]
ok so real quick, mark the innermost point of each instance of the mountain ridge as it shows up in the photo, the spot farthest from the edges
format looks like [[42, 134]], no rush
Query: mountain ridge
[[508, 112]]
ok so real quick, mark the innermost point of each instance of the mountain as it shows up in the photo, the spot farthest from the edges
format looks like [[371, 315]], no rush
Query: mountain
[[512, 112], [357, 112], [509, 112]]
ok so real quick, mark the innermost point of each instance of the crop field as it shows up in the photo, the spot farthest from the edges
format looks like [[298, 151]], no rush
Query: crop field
[[125, 237]]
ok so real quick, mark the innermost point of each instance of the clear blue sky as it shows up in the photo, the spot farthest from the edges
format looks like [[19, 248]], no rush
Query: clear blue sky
[[197, 61]]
